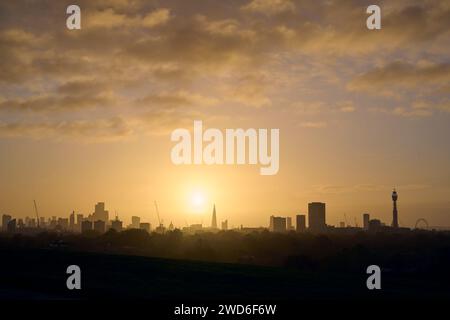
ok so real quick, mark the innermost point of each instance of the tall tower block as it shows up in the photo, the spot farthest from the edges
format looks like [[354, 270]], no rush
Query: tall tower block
[[214, 219], [394, 212]]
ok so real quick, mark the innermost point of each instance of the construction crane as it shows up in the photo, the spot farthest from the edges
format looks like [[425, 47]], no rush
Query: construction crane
[[37, 213], [160, 228], [157, 212]]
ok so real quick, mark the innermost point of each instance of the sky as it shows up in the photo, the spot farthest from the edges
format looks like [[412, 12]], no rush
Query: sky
[[86, 115]]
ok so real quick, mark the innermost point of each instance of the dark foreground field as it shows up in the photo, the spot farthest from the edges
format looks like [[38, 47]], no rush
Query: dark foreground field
[[41, 274]]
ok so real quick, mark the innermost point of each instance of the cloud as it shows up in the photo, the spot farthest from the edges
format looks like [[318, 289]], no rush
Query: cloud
[[308, 108], [139, 60], [444, 106], [249, 90], [401, 74], [411, 112], [346, 106], [341, 189], [417, 109], [313, 108], [55, 103], [112, 129], [156, 18], [176, 99], [108, 19], [314, 124], [269, 7], [415, 89], [68, 96]]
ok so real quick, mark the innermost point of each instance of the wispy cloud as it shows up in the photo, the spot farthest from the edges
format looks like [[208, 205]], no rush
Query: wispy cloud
[[314, 125]]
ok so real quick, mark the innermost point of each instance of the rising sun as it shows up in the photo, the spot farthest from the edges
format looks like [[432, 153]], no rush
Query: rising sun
[[198, 199]]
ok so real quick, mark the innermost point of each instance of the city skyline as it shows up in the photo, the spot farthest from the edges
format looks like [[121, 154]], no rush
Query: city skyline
[[197, 199], [100, 221]]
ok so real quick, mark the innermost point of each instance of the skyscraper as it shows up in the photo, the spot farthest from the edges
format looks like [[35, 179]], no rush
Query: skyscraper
[[100, 226], [394, 211], [301, 223], [214, 218], [86, 225], [116, 225], [11, 227], [135, 222], [366, 219], [79, 221], [316, 217], [72, 221], [277, 224], [63, 223], [100, 213], [289, 223], [145, 226], [6, 218]]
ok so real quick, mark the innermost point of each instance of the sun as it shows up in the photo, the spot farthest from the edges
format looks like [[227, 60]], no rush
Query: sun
[[198, 199]]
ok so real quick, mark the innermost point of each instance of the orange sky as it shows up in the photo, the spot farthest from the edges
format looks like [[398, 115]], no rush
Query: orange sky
[[86, 115]]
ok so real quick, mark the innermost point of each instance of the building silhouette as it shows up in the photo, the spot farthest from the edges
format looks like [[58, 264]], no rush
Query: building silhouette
[[42, 223], [301, 223], [100, 226], [316, 217], [366, 219], [135, 222], [86, 225], [79, 221], [116, 225], [278, 224], [375, 225], [225, 225], [31, 223], [394, 211], [289, 224], [72, 221], [100, 213], [160, 229], [6, 218], [194, 228], [145, 226], [52, 222], [11, 227], [63, 223], [214, 218]]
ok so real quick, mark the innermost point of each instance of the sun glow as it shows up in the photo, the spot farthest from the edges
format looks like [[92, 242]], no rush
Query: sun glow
[[197, 201]]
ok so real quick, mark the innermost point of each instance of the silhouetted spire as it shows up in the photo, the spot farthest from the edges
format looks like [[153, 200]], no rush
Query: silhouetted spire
[[394, 211], [214, 219]]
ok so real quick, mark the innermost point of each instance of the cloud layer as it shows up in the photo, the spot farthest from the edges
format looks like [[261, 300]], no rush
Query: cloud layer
[[164, 63]]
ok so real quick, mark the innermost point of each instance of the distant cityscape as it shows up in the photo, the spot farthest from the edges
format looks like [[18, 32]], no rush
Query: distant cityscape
[[99, 222]]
